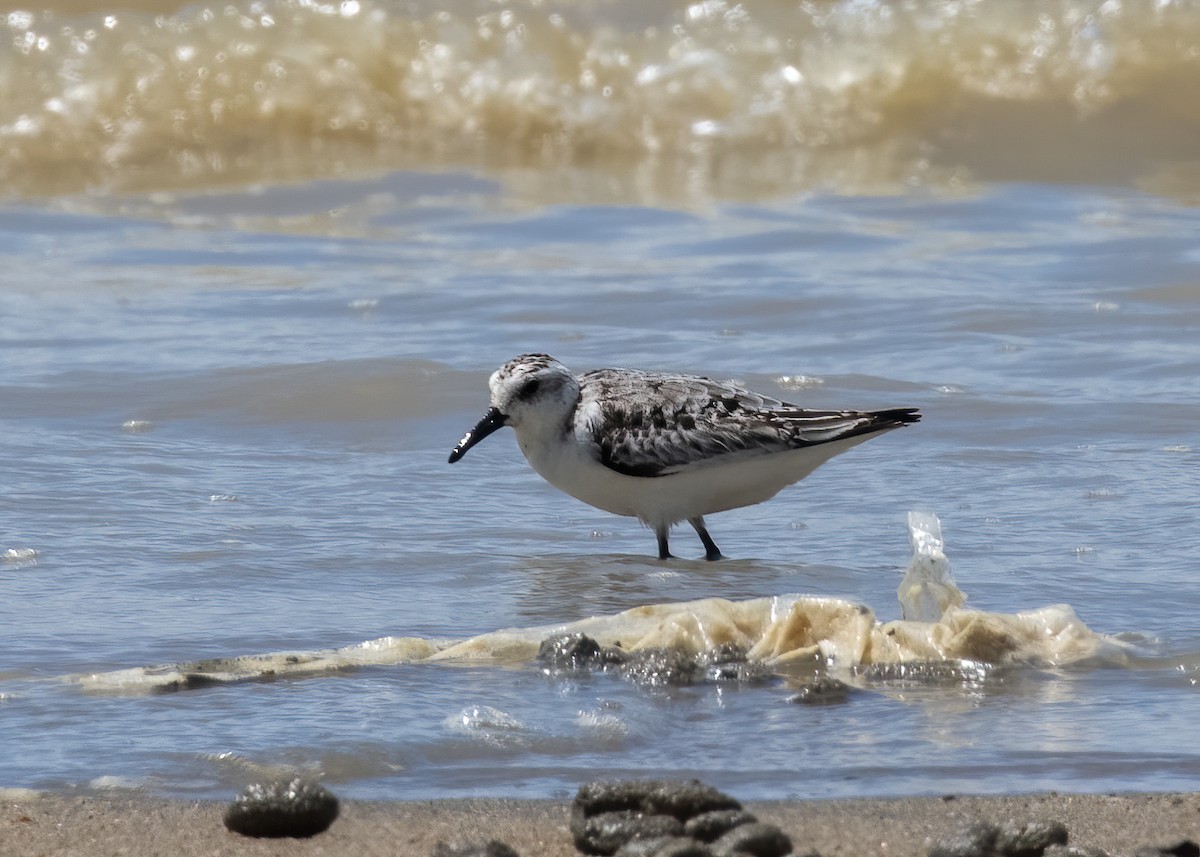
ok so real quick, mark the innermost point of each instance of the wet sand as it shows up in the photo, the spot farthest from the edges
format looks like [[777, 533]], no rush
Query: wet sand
[[144, 826]]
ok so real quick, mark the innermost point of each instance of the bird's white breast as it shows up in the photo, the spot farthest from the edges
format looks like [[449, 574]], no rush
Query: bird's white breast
[[570, 465]]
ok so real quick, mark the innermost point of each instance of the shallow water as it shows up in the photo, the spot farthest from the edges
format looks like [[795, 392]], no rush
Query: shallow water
[[226, 412], [226, 442]]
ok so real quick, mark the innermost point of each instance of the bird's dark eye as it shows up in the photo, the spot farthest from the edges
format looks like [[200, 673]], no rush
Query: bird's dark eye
[[529, 389]]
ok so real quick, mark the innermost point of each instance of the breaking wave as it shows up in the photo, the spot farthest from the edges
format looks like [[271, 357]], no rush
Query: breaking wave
[[737, 98]]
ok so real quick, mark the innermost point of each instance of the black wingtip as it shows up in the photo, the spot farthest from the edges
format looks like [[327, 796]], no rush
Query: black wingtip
[[898, 416]]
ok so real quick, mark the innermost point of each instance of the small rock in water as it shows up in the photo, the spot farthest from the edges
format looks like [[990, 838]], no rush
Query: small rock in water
[[570, 653], [929, 673], [491, 848], [725, 653], [728, 662], [577, 652], [660, 668], [746, 672], [821, 691], [568, 649], [297, 808]]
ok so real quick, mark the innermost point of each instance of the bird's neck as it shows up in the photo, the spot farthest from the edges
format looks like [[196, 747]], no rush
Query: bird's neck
[[542, 442]]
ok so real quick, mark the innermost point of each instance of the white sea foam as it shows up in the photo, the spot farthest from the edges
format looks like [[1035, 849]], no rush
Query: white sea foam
[[775, 630]]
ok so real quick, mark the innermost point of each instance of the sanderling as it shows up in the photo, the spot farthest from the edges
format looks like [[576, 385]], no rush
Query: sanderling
[[661, 447]]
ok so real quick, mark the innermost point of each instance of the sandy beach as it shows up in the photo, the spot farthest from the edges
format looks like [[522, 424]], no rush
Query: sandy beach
[[56, 826]]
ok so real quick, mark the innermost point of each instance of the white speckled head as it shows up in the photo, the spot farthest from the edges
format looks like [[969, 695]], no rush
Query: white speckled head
[[533, 393], [534, 390]]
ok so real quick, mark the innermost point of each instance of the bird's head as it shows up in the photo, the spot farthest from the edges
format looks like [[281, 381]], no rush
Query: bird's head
[[533, 392]]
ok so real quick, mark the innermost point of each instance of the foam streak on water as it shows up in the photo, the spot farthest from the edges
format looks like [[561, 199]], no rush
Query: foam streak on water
[[835, 634]]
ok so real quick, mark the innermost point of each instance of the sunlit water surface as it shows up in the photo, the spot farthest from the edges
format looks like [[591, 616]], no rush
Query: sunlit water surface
[[225, 423]]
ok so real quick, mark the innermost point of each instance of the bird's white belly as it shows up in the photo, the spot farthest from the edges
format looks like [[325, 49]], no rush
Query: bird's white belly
[[665, 500], [586, 479]]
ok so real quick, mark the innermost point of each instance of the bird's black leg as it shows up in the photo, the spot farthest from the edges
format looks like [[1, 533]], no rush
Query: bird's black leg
[[711, 551], [661, 534]]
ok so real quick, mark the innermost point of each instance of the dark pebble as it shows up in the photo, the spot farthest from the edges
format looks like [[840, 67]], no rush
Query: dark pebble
[[683, 799], [608, 831], [1030, 839], [1183, 848], [975, 840], [1074, 851], [609, 795], [1010, 839], [821, 691], [669, 818], [491, 848], [665, 846], [297, 808], [687, 799], [710, 826], [753, 840]]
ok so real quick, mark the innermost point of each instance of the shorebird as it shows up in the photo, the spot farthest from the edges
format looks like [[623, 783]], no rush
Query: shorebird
[[663, 447]]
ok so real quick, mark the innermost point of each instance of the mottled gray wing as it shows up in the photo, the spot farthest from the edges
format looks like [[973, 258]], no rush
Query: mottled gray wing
[[652, 424]]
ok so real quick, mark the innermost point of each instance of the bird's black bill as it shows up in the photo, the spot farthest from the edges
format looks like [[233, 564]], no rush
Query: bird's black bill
[[491, 421]]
